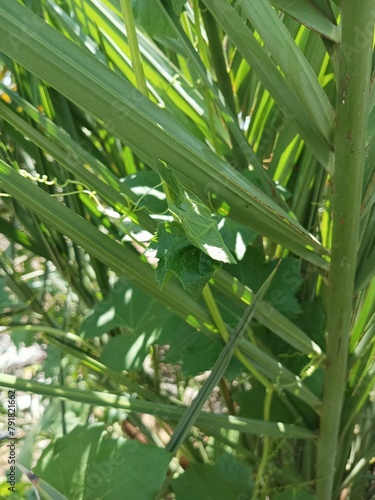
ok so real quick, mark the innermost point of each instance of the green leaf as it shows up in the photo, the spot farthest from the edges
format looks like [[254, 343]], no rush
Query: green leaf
[[252, 271], [149, 17], [235, 235], [128, 351], [125, 306], [195, 218], [143, 320], [177, 255], [197, 353], [289, 57], [311, 17], [87, 463], [252, 404], [45, 490], [149, 131], [228, 479], [312, 321], [325, 7], [200, 227], [271, 77], [148, 194], [295, 493]]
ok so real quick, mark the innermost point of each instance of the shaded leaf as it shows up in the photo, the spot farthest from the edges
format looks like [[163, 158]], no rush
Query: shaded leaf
[[252, 405], [143, 320], [197, 353], [177, 255], [253, 271], [312, 321], [128, 351], [295, 493], [228, 479]]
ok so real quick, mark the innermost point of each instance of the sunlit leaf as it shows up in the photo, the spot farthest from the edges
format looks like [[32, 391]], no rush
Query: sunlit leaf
[[101, 466]]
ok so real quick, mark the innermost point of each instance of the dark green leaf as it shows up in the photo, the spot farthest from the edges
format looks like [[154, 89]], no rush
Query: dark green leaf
[[143, 320], [253, 271], [295, 493], [312, 321], [177, 255], [252, 405], [197, 353], [228, 479]]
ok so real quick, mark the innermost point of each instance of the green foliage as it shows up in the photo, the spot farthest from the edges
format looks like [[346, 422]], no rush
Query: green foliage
[[251, 404], [228, 478], [178, 256], [150, 18], [253, 271], [141, 320], [137, 227], [200, 228], [197, 353], [88, 462], [148, 195]]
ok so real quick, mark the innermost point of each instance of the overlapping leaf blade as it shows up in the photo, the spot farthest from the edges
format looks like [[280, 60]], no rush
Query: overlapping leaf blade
[[142, 125]]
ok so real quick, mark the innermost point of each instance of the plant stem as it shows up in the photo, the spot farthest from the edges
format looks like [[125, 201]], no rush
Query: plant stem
[[131, 34], [214, 311], [266, 448], [354, 64]]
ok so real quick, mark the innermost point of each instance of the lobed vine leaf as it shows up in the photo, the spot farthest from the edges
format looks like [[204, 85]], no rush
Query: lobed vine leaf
[[200, 227], [102, 467], [195, 218], [178, 256]]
